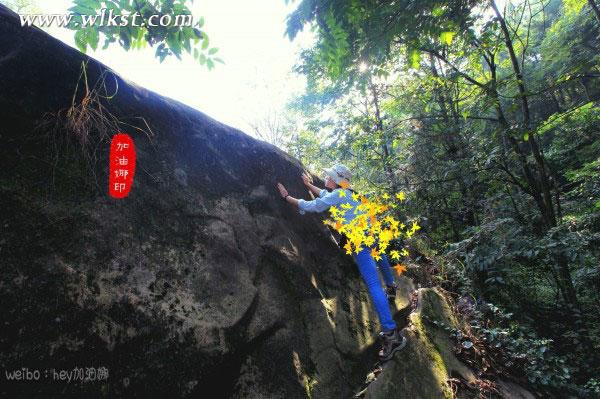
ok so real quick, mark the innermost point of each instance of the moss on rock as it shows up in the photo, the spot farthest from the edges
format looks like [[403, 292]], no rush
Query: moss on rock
[[422, 369]]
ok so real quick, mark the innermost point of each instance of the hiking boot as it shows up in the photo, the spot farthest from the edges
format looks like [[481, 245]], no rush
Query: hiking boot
[[390, 291], [392, 341]]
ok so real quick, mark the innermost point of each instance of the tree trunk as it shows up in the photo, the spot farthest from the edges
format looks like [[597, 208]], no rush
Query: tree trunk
[[456, 149], [508, 137], [554, 101], [386, 155], [544, 184], [595, 8], [569, 293]]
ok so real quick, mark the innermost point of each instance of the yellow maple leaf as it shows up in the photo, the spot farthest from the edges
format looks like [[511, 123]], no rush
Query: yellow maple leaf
[[334, 211], [375, 254], [348, 248], [385, 235], [401, 196], [338, 226], [395, 254], [385, 196], [342, 193], [415, 227], [355, 196], [399, 268], [404, 252], [355, 239]]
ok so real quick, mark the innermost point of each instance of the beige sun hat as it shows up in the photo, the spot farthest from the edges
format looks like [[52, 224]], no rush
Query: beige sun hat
[[338, 173]]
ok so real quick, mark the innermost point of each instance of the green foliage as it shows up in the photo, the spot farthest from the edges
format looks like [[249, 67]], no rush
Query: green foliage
[[507, 345], [570, 45], [593, 385], [415, 58], [335, 45], [499, 255], [351, 32], [520, 347], [425, 97], [22, 6], [574, 6], [582, 118], [575, 148], [172, 36], [446, 37]]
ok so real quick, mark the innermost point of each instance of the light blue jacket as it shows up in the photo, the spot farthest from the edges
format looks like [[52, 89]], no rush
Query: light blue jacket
[[327, 199]]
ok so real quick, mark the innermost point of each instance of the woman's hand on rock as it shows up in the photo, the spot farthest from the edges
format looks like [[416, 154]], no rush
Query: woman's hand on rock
[[282, 190], [305, 179]]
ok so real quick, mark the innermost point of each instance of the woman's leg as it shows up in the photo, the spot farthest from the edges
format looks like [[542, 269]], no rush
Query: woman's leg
[[368, 270], [386, 270]]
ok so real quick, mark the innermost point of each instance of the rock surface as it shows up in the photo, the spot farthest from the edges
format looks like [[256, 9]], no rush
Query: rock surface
[[423, 368]]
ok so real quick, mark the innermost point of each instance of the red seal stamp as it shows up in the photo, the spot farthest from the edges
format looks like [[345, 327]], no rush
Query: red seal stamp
[[122, 165]]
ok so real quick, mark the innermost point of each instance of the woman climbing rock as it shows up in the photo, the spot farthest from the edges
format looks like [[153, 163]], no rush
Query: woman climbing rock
[[390, 335]]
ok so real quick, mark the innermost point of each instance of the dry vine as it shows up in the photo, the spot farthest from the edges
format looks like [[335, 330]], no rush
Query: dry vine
[[87, 121]]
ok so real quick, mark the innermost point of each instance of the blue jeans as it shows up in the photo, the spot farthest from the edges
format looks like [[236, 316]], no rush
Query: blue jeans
[[368, 270]]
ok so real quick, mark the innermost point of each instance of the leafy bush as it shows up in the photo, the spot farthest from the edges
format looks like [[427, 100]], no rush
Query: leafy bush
[[521, 347], [499, 345]]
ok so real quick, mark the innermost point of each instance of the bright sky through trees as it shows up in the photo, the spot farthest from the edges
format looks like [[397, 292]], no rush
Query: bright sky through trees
[[255, 79]]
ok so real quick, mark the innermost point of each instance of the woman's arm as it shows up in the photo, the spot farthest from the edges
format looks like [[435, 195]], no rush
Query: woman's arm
[[292, 200], [284, 194], [319, 204], [313, 189]]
